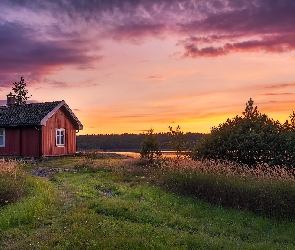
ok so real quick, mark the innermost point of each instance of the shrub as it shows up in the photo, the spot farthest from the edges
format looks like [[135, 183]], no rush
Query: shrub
[[251, 139], [12, 182], [177, 142], [150, 148]]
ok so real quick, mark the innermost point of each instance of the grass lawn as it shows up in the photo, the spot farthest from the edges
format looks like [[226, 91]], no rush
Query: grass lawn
[[106, 204]]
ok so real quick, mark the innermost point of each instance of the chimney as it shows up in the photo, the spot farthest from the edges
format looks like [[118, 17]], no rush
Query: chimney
[[10, 99]]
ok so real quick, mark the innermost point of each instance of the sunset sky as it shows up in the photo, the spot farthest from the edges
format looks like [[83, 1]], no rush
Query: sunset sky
[[124, 66]]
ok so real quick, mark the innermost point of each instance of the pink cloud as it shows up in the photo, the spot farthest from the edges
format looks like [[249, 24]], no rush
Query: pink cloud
[[271, 44], [212, 27]]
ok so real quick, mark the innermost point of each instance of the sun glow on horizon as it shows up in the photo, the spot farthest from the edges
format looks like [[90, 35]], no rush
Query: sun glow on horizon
[[129, 66]]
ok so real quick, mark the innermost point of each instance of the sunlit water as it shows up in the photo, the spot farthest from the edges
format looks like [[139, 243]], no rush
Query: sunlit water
[[137, 155]]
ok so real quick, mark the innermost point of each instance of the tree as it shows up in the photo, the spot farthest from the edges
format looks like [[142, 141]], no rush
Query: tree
[[250, 111], [150, 147], [20, 92], [251, 139], [177, 141]]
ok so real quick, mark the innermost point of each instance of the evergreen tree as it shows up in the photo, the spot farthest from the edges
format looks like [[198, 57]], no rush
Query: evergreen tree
[[20, 92]]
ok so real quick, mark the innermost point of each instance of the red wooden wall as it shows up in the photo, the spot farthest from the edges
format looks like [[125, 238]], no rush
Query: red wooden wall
[[21, 141], [30, 142], [37, 141], [12, 141], [59, 120]]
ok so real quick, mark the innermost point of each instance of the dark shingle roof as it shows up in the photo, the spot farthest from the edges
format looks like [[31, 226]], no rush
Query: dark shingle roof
[[33, 113]]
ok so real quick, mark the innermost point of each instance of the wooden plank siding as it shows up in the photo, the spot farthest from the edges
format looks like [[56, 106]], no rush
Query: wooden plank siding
[[12, 142], [30, 142], [59, 120], [21, 141]]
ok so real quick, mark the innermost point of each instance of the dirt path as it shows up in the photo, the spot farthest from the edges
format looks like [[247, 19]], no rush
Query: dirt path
[[47, 172]]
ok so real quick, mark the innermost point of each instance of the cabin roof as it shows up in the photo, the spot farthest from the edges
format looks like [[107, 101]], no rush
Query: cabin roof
[[33, 114]]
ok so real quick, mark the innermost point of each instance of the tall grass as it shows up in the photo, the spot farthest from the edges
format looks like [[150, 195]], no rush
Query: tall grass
[[268, 191], [12, 182]]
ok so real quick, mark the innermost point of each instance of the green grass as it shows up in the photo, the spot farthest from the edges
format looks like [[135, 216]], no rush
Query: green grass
[[116, 205]]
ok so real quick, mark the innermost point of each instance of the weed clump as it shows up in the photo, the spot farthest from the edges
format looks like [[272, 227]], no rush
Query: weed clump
[[12, 182]]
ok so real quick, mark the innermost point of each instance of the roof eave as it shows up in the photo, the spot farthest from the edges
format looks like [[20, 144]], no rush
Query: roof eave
[[67, 108], [18, 125], [51, 113]]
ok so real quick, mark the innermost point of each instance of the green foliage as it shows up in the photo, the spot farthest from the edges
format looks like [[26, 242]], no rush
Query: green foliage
[[20, 91], [40, 196], [150, 147], [177, 142], [251, 139]]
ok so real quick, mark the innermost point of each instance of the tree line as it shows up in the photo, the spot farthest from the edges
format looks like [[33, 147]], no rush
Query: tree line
[[130, 142]]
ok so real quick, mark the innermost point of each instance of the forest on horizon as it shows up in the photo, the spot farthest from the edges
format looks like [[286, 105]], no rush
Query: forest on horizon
[[129, 142]]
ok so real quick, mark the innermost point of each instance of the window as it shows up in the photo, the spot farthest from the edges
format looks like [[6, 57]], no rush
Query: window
[[60, 137], [2, 137]]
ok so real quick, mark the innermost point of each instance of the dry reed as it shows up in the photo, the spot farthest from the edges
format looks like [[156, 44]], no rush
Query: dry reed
[[269, 191], [232, 169], [12, 182]]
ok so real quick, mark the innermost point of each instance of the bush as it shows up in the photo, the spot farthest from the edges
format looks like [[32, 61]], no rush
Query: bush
[[12, 182], [177, 142], [150, 147], [251, 139]]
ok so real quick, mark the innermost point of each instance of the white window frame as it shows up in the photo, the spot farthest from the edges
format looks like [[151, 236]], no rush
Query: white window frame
[[2, 135], [60, 137]]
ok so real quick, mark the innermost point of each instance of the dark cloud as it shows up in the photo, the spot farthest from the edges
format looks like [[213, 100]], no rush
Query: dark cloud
[[212, 27], [3, 102], [256, 17], [266, 26], [275, 94], [281, 85], [24, 52], [134, 30], [155, 77], [272, 44]]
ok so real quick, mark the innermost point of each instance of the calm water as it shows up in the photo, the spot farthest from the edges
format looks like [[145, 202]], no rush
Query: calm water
[[137, 155]]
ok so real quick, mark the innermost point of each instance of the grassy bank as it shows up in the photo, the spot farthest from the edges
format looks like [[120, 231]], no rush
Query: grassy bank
[[267, 191], [106, 203]]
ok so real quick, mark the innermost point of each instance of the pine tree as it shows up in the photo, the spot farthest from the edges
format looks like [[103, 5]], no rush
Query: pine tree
[[20, 92]]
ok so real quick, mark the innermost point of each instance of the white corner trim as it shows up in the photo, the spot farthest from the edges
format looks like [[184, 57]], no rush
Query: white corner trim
[[50, 114]]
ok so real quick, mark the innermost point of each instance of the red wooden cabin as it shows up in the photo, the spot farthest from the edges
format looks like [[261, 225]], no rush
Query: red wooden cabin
[[37, 129]]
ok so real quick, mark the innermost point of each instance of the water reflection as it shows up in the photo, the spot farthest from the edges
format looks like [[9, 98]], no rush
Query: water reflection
[[169, 154]]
